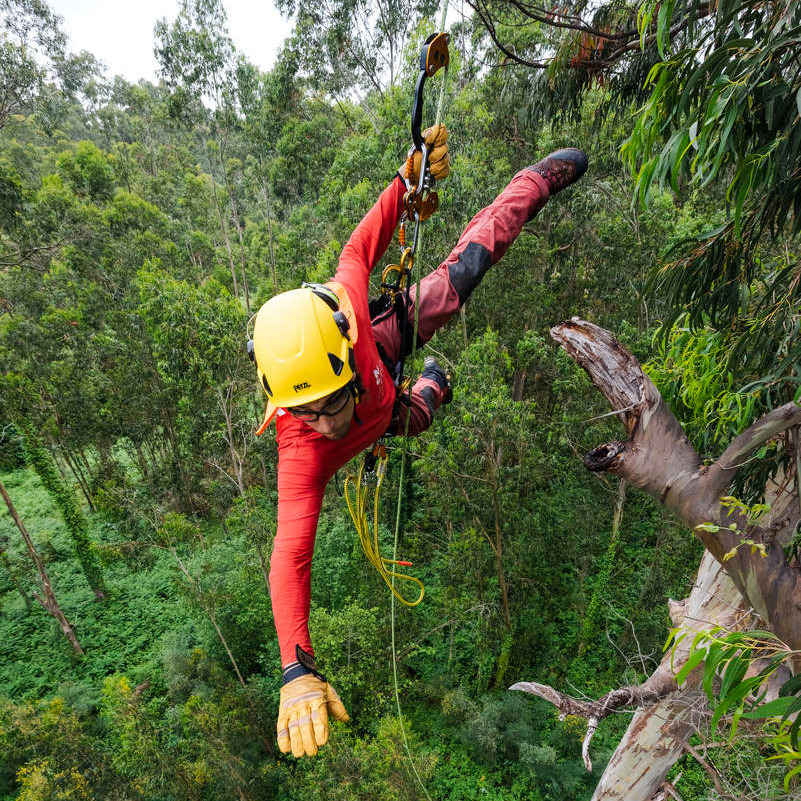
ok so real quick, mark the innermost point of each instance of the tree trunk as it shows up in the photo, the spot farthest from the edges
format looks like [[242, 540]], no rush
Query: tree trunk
[[225, 401], [264, 569], [63, 496], [591, 615], [657, 734], [210, 612], [48, 598], [75, 467], [658, 458], [268, 212], [240, 237], [221, 219]]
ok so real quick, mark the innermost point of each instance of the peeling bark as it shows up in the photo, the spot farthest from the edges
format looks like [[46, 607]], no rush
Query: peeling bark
[[657, 734], [666, 714]]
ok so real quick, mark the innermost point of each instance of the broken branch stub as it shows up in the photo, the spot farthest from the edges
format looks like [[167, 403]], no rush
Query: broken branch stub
[[651, 426]]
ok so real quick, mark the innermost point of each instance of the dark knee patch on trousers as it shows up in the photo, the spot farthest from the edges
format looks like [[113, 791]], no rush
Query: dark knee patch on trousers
[[468, 270]]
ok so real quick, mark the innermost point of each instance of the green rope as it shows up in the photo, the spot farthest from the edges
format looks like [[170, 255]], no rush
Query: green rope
[[404, 455]]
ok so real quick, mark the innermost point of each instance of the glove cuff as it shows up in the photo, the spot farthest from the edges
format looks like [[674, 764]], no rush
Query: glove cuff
[[304, 666]]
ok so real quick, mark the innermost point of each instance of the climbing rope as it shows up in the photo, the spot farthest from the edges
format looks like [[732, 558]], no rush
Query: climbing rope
[[419, 203], [359, 500], [404, 455]]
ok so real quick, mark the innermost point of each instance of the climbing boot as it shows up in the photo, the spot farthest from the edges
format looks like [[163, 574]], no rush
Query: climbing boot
[[562, 168], [432, 370]]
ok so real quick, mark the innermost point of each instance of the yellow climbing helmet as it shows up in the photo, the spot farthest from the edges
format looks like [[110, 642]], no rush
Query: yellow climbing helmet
[[302, 346]]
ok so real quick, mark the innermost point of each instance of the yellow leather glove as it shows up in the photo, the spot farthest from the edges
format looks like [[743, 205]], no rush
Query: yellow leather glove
[[303, 713], [439, 161]]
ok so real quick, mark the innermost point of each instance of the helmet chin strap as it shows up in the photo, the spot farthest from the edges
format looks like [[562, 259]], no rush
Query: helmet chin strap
[[354, 391]]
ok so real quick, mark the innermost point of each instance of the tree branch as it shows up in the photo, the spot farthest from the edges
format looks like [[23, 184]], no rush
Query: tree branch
[[773, 423], [659, 459]]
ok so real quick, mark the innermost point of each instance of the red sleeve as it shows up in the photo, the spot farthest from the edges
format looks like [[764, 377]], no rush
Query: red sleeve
[[300, 497], [371, 238]]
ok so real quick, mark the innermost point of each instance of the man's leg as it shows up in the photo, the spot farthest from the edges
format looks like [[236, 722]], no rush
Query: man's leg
[[481, 245]]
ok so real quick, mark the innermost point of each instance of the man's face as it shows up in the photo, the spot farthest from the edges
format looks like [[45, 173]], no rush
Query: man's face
[[330, 416]]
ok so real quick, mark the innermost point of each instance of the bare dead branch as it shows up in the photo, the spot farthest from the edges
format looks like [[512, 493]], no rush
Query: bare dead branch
[[20, 256], [632, 697], [627, 37], [711, 772]]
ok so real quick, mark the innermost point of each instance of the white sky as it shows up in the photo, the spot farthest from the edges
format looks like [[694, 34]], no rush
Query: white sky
[[121, 33]]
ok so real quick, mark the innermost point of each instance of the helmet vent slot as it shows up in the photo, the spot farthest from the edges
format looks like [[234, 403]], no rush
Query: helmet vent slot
[[265, 384], [336, 363]]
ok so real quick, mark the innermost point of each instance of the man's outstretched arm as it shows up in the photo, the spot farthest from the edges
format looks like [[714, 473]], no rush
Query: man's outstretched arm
[[307, 699]]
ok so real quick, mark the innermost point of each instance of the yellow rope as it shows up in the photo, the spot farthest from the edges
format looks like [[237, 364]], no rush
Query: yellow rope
[[357, 495]]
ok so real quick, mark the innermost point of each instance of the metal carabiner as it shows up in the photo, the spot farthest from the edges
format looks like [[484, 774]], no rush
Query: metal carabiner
[[395, 277], [421, 198], [433, 56]]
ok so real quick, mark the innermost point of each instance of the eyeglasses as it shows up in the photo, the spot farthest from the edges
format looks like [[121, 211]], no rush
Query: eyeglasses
[[333, 406]]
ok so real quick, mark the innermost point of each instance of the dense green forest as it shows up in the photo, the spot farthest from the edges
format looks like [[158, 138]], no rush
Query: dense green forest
[[142, 225]]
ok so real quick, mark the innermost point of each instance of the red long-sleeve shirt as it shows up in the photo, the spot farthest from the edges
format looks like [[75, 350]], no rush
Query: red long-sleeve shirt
[[306, 459]]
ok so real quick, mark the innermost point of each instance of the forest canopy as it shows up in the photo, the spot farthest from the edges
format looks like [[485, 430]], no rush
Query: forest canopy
[[143, 224]]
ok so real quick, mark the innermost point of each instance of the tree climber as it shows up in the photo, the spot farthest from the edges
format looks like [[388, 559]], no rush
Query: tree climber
[[326, 364]]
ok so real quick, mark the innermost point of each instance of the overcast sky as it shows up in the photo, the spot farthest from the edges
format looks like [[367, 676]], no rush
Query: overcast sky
[[121, 33]]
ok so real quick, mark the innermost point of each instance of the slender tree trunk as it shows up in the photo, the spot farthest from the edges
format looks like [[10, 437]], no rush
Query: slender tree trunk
[[226, 239], [213, 619], [65, 499], [589, 625], [140, 460], [240, 237], [225, 400], [507, 615], [48, 598], [264, 571], [268, 214], [210, 612], [13, 576], [237, 224], [221, 220], [154, 457], [75, 467], [84, 460], [495, 460]]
